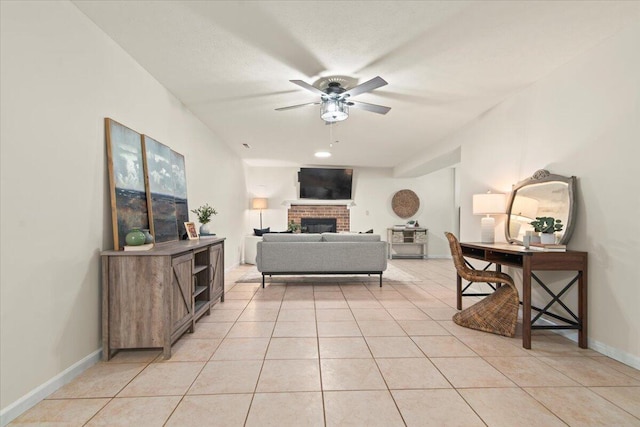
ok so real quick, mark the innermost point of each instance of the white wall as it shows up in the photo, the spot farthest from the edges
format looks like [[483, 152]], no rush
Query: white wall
[[60, 76], [277, 184], [582, 120], [373, 189]]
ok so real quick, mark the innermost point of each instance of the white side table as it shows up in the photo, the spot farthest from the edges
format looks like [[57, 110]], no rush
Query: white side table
[[407, 242], [251, 248]]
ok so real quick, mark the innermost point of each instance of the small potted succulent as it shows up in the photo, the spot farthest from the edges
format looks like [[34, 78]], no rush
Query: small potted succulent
[[204, 213], [547, 226], [293, 227]]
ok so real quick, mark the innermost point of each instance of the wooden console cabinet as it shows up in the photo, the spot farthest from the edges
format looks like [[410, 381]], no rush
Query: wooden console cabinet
[[150, 298]]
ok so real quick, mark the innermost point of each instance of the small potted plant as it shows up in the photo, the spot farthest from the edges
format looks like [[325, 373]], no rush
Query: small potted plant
[[204, 213], [293, 227], [547, 226]]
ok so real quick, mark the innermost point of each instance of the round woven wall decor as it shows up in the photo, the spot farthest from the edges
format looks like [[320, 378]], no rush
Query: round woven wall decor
[[405, 203]]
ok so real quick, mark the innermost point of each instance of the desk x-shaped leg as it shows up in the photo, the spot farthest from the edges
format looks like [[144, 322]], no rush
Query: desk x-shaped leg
[[579, 321], [555, 298]]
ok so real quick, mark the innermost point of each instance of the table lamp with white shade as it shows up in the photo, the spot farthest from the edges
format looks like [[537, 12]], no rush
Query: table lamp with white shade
[[488, 204]]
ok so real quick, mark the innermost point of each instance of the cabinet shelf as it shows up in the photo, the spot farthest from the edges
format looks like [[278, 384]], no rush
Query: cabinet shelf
[[199, 290], [200, 305], [199, 268]]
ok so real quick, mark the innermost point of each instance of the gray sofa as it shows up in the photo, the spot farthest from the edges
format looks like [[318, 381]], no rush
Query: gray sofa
[[327, 253]]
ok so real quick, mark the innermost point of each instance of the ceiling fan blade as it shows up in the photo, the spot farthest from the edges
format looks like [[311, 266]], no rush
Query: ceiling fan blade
[[380, 109], [297, 106], [255, 25], [308, 87], [372, 84]]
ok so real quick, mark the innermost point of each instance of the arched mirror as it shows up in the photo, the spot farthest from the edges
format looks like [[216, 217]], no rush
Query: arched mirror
[[542, 195]]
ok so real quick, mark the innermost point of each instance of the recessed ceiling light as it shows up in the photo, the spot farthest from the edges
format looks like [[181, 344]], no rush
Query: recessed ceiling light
[[322, 154]]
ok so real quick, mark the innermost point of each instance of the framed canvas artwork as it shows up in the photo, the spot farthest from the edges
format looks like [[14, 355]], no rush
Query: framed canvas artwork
[[180, 191], [125, 161], [161, 189]]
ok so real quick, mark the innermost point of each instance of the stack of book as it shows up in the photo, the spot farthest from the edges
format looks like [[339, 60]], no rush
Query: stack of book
[[207, 235], [145, 247], [551, 247]]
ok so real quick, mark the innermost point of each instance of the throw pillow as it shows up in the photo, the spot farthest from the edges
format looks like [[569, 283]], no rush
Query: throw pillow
[[261, 231]]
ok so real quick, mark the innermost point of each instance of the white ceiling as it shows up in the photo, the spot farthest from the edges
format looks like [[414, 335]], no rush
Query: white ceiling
[[446, 63]]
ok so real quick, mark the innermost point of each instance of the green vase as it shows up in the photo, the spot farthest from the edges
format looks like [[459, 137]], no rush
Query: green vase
[[135, 237]]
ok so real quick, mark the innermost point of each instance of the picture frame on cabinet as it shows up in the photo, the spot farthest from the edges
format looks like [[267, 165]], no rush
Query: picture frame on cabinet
[[192, 232]]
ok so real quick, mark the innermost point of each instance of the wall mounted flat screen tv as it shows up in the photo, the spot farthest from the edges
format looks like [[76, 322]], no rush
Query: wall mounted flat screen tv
[[325, 184]]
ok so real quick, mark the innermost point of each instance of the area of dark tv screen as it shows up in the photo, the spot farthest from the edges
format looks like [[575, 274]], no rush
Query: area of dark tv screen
[[325, 184]]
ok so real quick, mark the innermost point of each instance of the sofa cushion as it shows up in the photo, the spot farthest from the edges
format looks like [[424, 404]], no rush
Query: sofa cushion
[[319, 257], [286, 237], [348, 237]]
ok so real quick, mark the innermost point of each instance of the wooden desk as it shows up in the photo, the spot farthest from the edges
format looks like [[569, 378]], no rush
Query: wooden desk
[[535, 260]]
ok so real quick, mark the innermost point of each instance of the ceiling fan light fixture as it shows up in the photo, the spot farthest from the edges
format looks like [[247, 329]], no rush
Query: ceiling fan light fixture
[[335, 98], [334, 110]]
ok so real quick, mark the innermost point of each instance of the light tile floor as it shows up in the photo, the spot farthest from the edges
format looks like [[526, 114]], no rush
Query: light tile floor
[[348, 354]]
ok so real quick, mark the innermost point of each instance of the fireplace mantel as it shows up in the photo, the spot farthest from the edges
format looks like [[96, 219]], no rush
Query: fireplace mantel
[[317, 202]]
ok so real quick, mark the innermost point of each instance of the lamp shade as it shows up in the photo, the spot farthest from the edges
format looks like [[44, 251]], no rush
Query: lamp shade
[[259, 203], [488, 204]]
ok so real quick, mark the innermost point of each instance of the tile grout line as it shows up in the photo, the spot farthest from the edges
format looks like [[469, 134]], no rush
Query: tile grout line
[[322, 396], [613, 403], [264, 358]]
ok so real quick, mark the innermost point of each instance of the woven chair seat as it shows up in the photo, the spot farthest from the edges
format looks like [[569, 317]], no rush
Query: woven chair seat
[[496, 313]]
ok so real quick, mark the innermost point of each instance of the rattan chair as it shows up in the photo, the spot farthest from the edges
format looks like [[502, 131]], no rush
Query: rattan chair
[[496, 313]]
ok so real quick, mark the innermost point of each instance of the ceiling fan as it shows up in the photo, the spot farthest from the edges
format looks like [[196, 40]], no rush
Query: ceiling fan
[[335, 100]]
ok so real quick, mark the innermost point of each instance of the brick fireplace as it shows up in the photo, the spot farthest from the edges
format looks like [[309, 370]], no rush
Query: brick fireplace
[[339, 212]]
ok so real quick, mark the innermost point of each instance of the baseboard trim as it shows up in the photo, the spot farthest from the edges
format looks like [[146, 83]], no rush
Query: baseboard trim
[[615, 353], [29, 400], [605, 349]]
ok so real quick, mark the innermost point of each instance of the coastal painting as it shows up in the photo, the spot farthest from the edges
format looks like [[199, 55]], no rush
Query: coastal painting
[[180, 191], [126, 181], [161, 191]]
